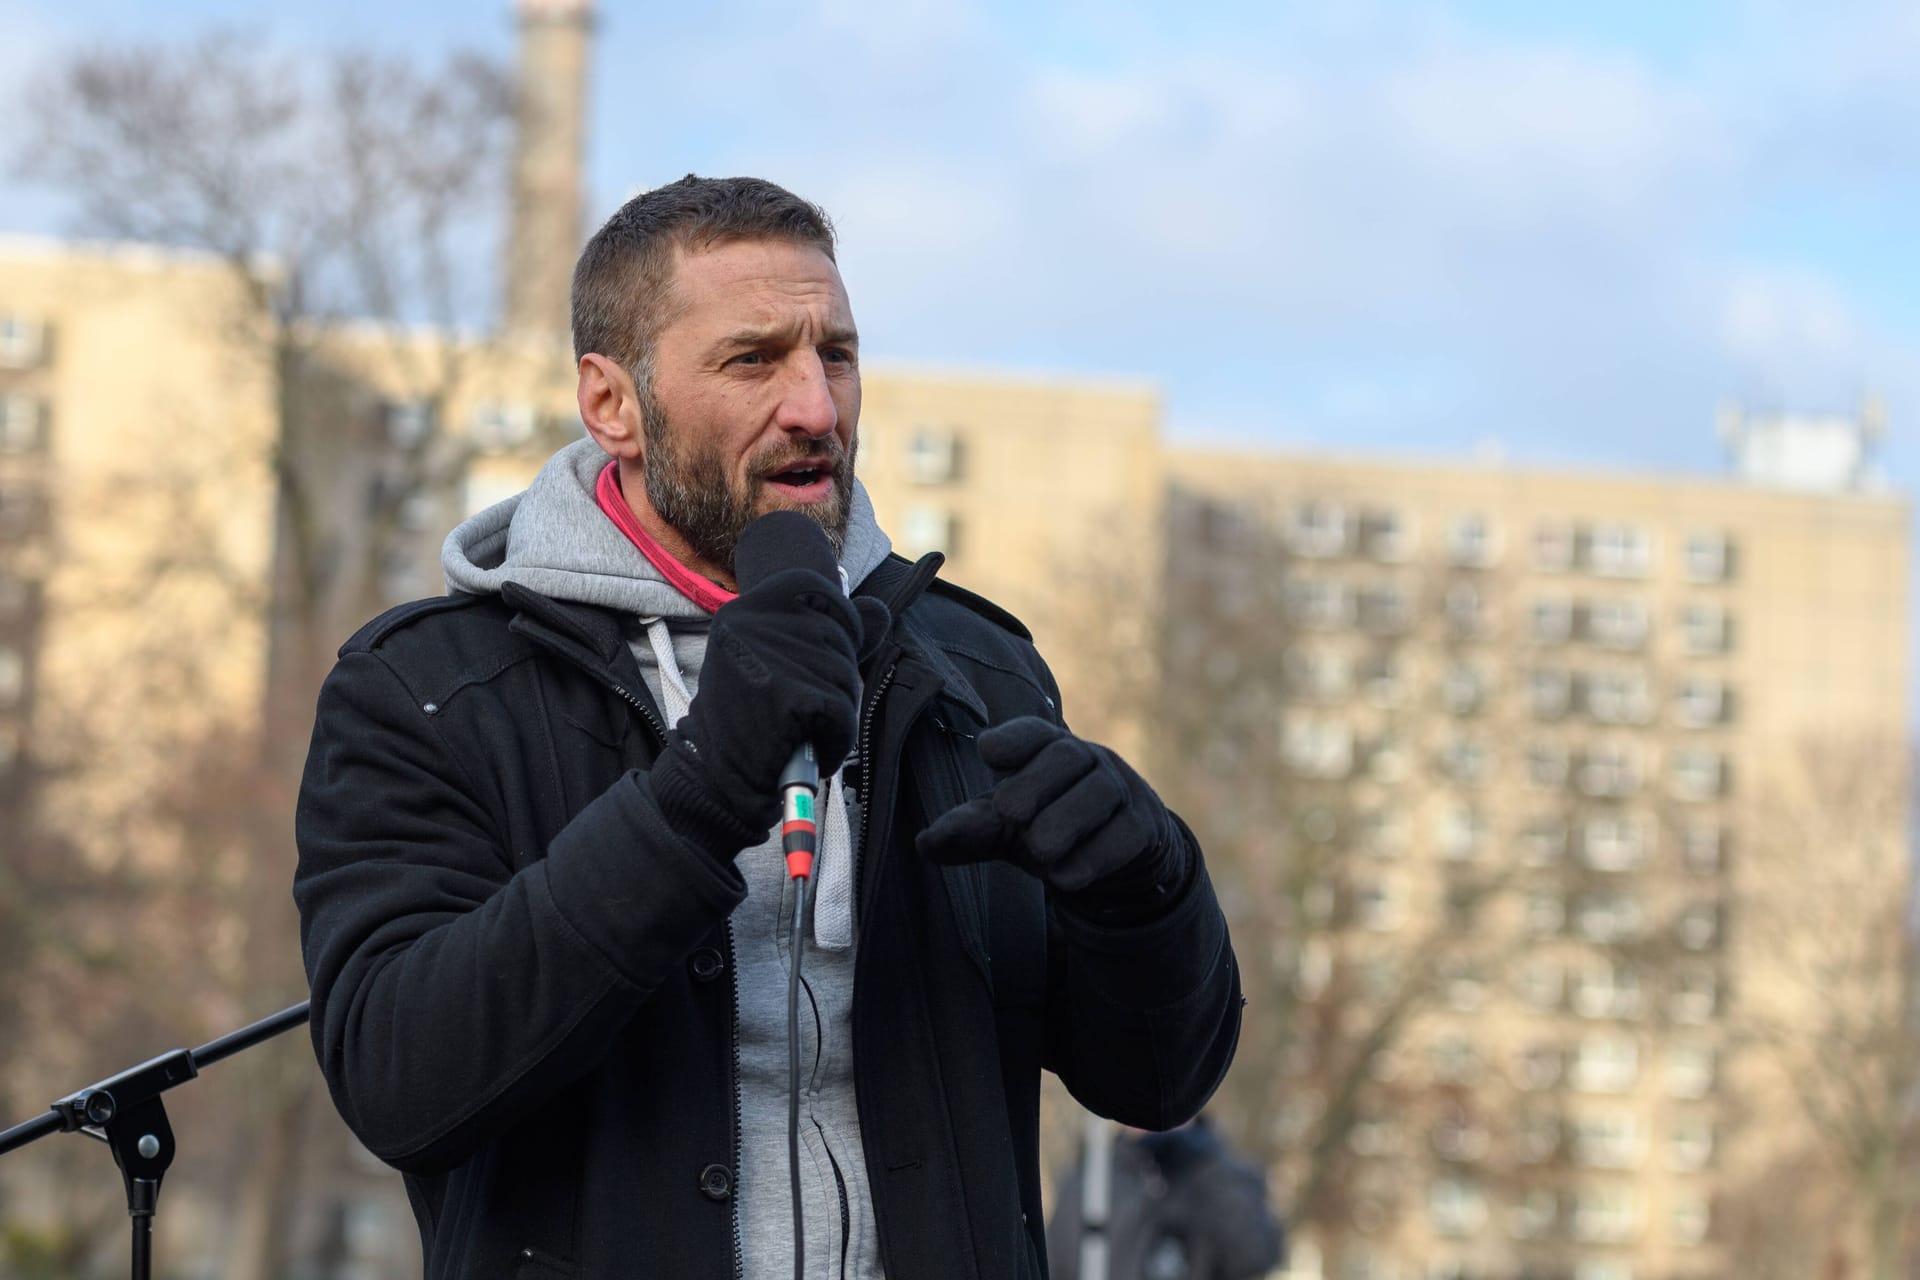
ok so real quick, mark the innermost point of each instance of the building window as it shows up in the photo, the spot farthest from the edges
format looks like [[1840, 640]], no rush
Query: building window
[[1386, 536], [1316, 747], [1702, 847], [1383, 834], [1603, 988], [1379, 904], [933, 456], [1698, 928], [1602, 1269], [1317, 602], [1543, 842], [1616, 841], [1471, 543], [1549, 692], [13, 676], [1547, 765], [924, 529], [1690, 1142], [1698, 774], [1318, 530], [1374, 1135], [1617, 624], [1606, 1215], [1462, 833], [1456, 1207], [1605, 1064], [1700, 704], [1536, 1137], [1454, 1060], [1465, 761], [1553, 543], [1540, 984], [1531, 1217], [1692, 1219], [1610, 770], [1386, 758], [1537, 1067], [1620, 551], [1608, 917], [1546, 913], [1704, 629], [23, 341], [1463, 690], [1317, 675], [1708, 557], [409, 423], [1552, 621], [1384, 608], [1465, 618], [23, 423], [1695, 997], [1608, 1139], [500, 427], [1618, 697], [1689, 1070]]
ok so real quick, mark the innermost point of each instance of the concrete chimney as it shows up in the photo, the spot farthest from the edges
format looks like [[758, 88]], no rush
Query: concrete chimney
[[545, 233]]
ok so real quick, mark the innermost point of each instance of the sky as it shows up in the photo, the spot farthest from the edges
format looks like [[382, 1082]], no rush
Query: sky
[[1415, 229]]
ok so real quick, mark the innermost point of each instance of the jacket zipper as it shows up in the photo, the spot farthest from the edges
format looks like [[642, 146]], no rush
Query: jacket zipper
[[733, 1023], [865, 758], [733, 1042]]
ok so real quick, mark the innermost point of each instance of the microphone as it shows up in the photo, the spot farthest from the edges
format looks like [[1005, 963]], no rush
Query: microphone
[[775, 542]]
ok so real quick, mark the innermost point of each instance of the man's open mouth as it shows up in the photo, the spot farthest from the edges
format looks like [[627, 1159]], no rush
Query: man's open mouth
[[801, 476]]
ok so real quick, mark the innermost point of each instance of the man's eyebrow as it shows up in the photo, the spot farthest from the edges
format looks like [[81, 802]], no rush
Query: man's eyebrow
[[753, 337]]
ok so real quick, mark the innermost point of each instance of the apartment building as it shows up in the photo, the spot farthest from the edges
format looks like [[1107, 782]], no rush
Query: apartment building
[[1549, 714]]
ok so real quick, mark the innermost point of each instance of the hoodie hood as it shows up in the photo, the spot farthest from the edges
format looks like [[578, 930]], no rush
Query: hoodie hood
[[555, 539]]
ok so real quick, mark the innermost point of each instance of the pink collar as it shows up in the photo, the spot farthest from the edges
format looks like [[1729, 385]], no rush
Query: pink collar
[[703, 592]]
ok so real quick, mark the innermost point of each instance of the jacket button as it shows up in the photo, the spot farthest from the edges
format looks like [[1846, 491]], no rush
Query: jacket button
[[716, 1182], [707, 964]]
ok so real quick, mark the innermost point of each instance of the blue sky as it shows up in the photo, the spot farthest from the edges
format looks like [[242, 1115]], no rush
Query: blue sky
[[1402, 228]]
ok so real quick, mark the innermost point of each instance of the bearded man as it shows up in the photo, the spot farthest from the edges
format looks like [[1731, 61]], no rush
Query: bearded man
[[543, 906]]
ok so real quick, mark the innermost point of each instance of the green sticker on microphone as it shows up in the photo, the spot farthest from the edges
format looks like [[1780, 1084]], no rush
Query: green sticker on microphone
[[802, 805]]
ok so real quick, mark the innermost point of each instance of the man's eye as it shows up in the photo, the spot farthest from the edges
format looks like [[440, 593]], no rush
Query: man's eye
[[748, 357], [837, 355]]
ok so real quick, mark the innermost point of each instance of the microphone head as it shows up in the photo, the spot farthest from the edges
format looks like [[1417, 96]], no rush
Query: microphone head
[[782, 540]]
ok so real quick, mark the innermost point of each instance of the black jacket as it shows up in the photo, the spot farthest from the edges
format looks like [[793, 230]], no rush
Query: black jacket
[[521, 981]]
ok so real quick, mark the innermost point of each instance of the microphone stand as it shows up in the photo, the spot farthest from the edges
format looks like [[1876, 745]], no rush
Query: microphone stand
[[125, 1112]]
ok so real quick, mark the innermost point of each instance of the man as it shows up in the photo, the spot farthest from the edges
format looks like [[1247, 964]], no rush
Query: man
[[1180, 1206], [543, 909]]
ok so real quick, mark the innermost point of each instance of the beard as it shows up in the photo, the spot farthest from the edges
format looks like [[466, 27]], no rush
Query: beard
[[690, 488]]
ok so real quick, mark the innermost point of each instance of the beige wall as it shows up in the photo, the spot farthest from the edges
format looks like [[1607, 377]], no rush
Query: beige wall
[[160, 503]]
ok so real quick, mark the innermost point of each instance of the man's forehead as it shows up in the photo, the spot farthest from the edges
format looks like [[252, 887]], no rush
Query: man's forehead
[[741, 262]]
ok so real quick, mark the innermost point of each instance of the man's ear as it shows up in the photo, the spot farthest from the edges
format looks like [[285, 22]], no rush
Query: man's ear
[[610, 407]]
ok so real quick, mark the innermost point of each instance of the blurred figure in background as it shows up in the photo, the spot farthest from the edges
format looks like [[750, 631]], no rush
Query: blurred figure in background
[[1181, 1206]]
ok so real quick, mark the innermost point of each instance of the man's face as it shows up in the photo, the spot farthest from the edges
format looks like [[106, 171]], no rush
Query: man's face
[[755, 396]]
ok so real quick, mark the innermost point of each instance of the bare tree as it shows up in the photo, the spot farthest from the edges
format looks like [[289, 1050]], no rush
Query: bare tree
[[353, 200], [1829, 1010]]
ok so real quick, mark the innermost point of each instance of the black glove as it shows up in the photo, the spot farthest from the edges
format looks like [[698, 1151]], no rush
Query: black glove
[[1070, 812], [781, 669]]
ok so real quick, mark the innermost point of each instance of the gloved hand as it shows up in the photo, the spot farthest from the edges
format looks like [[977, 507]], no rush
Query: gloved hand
[[1070, 812], [781, 669]]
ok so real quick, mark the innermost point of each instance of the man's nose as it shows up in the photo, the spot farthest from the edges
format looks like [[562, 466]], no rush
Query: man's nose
[[806, 403]]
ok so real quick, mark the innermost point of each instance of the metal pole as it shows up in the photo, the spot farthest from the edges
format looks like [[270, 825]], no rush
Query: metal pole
[[1096, 1198]]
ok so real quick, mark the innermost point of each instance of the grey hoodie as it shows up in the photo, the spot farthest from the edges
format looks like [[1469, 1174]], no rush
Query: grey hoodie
[[555, 540]]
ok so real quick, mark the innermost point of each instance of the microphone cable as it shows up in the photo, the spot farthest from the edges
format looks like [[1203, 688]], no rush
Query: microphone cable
[[799, 783]]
